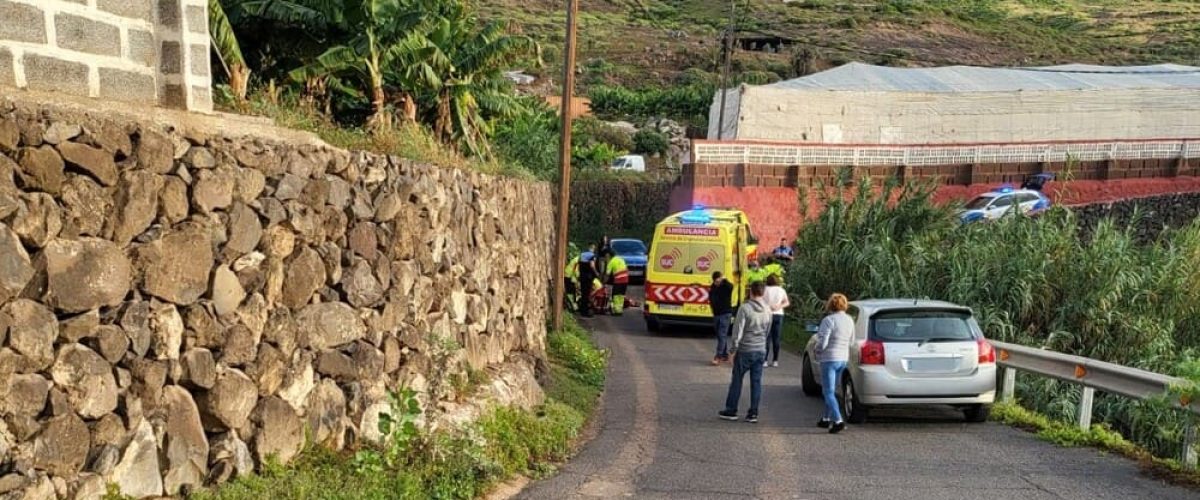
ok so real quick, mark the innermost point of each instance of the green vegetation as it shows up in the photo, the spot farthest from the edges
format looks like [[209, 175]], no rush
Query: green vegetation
[[617, 204], [464, 463], [649, 57], [1037, 282], [1099, 436]]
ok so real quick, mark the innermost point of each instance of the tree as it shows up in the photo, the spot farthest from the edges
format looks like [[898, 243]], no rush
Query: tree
[[464, 86], [368, 37], [229, 52]]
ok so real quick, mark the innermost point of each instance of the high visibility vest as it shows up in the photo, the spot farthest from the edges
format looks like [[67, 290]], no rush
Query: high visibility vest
[[753, 275], [618, 270], [572, 269], [773, 268]]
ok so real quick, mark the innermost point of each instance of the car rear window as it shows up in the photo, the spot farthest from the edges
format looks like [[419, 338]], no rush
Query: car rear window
[[923, 326]]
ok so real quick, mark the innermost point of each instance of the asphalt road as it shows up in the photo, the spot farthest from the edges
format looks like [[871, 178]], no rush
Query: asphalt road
[[659, 436]]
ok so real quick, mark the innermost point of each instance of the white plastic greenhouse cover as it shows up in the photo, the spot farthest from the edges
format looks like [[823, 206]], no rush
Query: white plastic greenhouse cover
[[858, 76], [864, 104]]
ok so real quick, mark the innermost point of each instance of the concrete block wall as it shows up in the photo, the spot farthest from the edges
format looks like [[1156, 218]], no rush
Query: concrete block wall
[[141, 51]]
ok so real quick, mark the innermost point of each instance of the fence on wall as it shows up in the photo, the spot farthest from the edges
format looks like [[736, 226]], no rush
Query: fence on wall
[[867, 155]]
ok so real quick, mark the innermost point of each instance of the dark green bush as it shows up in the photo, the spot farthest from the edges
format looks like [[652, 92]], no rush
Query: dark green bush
[[650, 142]]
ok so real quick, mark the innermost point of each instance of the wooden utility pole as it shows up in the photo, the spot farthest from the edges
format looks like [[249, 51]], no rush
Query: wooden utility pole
[[564, 165], [726, 59]]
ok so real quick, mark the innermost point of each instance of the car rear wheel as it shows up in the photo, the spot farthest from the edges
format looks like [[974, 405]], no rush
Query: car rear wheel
[[977, 413], [808, 380], [854, 411], [652, 324]]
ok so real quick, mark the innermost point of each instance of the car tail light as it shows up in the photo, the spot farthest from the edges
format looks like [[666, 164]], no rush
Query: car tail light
[[987, 353], [871, 353]]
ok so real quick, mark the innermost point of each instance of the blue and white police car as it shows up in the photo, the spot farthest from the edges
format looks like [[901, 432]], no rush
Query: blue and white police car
[[995, 204]]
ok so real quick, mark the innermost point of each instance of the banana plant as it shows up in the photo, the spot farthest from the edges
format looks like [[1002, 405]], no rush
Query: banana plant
[[229, 52], [464, 87], [386, 33]]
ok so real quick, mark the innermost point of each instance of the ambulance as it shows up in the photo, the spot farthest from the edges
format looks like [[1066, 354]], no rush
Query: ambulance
[[687, 248]]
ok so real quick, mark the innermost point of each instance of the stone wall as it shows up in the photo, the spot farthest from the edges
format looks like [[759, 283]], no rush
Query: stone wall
[[176, 306], [142, 51], [1155, 213]]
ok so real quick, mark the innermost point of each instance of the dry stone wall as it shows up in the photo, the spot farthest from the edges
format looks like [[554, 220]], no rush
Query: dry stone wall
[[175, 307]]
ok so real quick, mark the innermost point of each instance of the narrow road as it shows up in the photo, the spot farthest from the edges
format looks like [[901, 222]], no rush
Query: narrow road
[[659, 437]]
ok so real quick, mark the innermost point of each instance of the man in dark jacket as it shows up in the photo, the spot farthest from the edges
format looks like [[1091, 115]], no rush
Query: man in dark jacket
[[720, 299]]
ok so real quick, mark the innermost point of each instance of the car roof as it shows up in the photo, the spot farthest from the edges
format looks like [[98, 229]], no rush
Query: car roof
[[626, 239], [886, 304], [993, 194]]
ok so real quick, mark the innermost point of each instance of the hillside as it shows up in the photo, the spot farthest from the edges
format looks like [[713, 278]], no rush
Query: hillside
[[639, 43]]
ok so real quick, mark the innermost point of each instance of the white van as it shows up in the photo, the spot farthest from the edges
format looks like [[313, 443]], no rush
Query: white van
[[636, 163]]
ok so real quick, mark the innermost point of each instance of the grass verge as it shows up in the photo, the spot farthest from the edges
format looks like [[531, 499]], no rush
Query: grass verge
[[459, 464], [794, 336], [1099, 436]]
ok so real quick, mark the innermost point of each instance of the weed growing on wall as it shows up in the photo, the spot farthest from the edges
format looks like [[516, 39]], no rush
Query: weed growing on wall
[[458, 464]]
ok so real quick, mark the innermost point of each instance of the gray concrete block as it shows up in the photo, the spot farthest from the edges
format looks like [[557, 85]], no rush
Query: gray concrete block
[[173, 96], [126, 86], [168, 13], [48, 73], [141, 47], [197, 19], [87, 35], [199, 55], [201, 98], [134, 9], [7, 77], [170, 59], [22, 23]]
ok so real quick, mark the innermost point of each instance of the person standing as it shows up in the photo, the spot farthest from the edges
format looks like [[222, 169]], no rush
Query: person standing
[[777, 298], [833, 352], [749, 345], [617, 274], [774, 267], [720, 300], [571, 285], [783, 251], [587, 277]]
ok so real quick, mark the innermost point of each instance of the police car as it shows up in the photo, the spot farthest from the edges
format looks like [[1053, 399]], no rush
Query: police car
[[995, 204], [1029, 200]]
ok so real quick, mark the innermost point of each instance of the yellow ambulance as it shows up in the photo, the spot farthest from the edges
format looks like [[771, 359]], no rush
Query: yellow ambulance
[[687, 248]]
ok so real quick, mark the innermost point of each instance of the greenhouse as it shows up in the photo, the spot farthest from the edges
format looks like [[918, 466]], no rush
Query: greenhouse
[[864, 104]]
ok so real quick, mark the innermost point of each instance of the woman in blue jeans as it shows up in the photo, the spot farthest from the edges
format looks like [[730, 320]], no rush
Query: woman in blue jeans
[[833, 351]]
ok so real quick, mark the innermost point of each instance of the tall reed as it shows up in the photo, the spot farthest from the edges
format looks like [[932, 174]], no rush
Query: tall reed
[[1033, 281]]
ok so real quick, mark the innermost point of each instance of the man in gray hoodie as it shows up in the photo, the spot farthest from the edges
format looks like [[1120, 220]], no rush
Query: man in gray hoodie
[[749, 345]]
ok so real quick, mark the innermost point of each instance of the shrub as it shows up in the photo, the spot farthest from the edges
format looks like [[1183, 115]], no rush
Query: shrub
[[650, 142]]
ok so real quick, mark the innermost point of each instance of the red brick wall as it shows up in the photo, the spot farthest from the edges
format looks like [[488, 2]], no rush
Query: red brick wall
[[773, 211], [768, 194]]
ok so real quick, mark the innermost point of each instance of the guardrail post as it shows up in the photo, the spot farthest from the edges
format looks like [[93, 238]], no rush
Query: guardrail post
[[1189, 444], [1008, 384], [1085, 408]]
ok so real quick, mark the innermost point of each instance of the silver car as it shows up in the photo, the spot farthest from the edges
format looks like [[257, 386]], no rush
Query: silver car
[[911, 352]]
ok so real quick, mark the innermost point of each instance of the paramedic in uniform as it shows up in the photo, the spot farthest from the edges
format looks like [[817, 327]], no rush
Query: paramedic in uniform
[[587, 275], [617, 274]]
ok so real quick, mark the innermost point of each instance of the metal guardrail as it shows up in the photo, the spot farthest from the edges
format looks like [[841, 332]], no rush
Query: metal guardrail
[[1095, 375]]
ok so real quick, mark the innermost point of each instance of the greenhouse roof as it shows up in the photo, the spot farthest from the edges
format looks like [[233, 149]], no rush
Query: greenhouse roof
[[866, 77]]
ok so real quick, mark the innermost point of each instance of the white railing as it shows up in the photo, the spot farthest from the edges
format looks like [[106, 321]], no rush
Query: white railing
[[766, 153], [1093, 375]]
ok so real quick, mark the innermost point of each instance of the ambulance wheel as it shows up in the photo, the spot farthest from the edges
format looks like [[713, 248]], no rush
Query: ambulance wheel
[[652, 324]]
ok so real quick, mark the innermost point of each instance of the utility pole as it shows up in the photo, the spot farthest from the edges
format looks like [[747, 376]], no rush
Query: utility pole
[[564, 165], [726, 58]]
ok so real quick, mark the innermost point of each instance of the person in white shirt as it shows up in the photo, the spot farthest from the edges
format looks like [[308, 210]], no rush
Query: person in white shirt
[[777, 299]]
